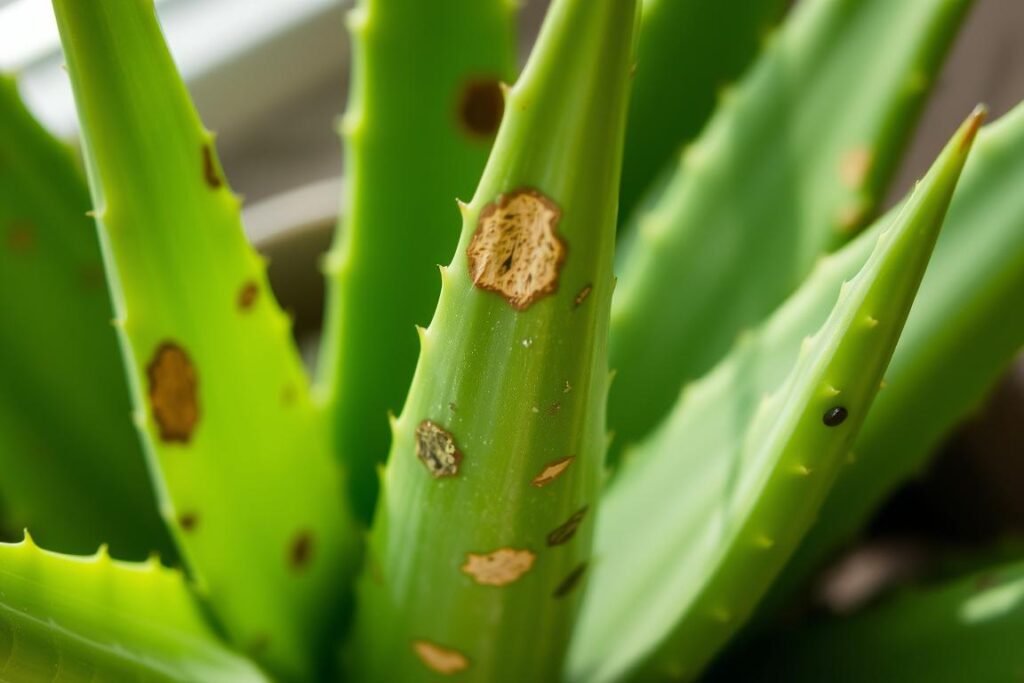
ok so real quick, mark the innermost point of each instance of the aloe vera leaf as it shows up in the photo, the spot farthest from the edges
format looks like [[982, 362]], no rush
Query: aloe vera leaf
[[964, 331], [425, 104], [792, 164], [81, 619], [968, 629], [72, 467], [246, 476], [699, 522], [485, 519], [688, 51]]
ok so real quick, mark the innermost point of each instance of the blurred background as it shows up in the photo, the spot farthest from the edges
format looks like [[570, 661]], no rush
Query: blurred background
[[270, 77]]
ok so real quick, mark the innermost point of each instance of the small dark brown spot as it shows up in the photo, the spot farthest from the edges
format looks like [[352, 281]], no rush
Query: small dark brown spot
[[986, 580], [452, 407], [301, 551], [247, 295], [188, 521], [481, 107], [565, 532], [554, 408], [570, 581], [20, 237], [435, 447], [210, 173], [173, 393], [582, 296], [834, 417]]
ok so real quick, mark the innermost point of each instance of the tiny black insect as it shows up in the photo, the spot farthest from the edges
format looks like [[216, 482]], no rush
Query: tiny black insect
[[834, 416]]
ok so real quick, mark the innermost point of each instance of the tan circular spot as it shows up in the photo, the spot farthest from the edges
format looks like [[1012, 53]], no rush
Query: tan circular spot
[[499, 568], [515, 250], [173, 393]]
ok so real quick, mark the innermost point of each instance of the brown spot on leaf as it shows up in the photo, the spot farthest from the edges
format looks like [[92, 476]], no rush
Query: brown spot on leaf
[[582, 295], [188, 521], [443, 660], [564, 533], [173, 393], [435, 447], [300, 553], [515, 250], [554, 408], [499, 568], [570, 582], [210, 173], [854, 167], [481, 107], [552, 471], [247, 295], [289, 394], [20, 237]]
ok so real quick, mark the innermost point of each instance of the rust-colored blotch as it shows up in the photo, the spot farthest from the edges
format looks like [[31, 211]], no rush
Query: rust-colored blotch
[[516, 251], [552, 471], [247, 295], [443, 660], [481, 107], [498, 568], [173, 393]]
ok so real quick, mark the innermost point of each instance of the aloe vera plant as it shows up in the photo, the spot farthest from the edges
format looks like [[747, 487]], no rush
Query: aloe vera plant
[[461, 506]]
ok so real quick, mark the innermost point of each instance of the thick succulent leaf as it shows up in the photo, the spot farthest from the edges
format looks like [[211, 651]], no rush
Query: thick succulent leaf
[[966, 630], [425, 104], [83, 619], [963, 332], [699, 521], [793, 162], [485, 520], [246, 473], [688, 51], [73, 470]]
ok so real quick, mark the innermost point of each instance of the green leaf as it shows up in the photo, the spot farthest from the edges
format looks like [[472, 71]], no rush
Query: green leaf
[[73, 471], [84, 619], [792, 164], [486, 514], [706, 511], [964, 630], [247, 478], [688, 52], [961, 336], [425, 104]]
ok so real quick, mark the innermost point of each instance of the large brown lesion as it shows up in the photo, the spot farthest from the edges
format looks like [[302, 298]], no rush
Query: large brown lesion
[[516, 251], [499, 568], [173, 393], [436, 448]]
